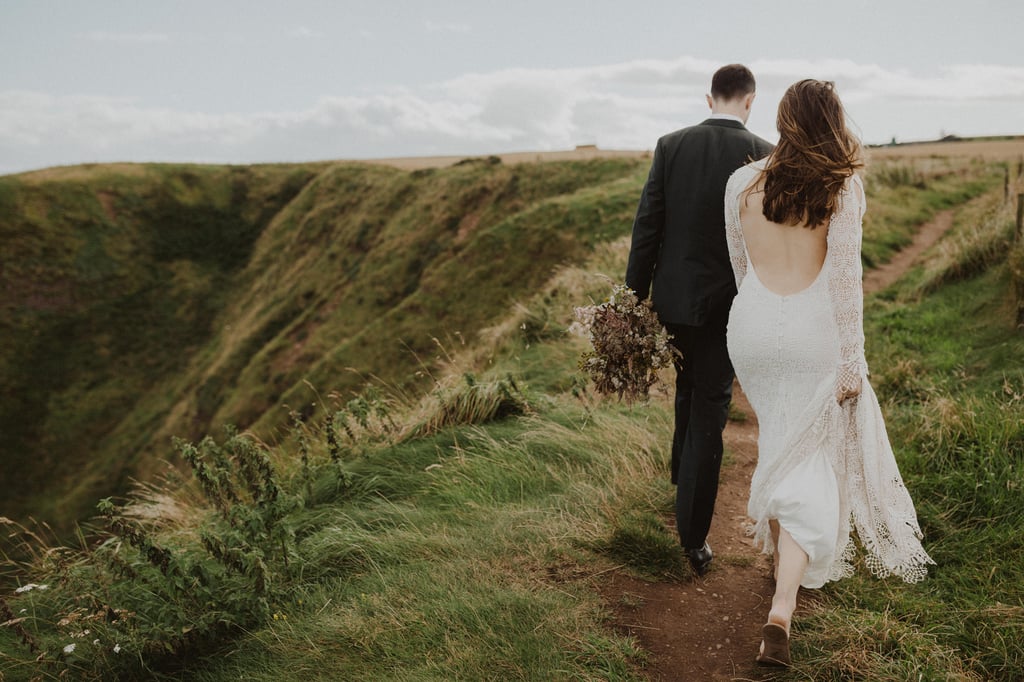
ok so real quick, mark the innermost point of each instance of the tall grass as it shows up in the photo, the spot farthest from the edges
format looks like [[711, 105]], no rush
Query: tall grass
[[1016, 260], [981, 238], [458, 533], [433, 557], [902, 195]]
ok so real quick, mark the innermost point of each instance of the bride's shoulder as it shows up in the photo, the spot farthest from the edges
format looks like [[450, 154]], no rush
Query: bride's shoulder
[[743, 175], [755, 166], [854, 187], [852, 196], [857, 183]]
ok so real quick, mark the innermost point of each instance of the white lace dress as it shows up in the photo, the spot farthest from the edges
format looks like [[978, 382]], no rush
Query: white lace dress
[[823, 469]]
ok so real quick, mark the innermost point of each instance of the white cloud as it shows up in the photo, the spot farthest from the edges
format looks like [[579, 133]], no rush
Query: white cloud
[[625, 106], [957, 82], [446, 27], [131, 38], [304, 32], [33, 119]]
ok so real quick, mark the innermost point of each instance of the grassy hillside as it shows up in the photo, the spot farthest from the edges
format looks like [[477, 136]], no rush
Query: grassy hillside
[[458, 531], [145, 302], [111, 278]]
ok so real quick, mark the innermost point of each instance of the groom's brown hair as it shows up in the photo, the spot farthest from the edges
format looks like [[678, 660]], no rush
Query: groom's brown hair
[[732, 81]]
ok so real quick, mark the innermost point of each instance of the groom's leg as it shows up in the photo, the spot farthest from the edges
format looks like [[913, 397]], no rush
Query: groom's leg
[[681, 340], [685, 468], [702, 448]]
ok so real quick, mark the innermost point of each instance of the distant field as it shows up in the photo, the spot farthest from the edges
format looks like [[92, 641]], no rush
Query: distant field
[[987, 149], [580, 153]]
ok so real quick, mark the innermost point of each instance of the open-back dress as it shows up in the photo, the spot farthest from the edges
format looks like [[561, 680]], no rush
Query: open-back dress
[[823, 468]]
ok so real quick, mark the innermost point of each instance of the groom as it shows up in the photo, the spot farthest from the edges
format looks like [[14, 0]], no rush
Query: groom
[[679, 245]]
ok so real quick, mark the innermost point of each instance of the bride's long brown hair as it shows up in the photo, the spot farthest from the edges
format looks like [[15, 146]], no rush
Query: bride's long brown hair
[[815, 156]]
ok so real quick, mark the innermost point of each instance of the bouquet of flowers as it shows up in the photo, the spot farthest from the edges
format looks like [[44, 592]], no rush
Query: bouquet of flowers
[[629, 344]]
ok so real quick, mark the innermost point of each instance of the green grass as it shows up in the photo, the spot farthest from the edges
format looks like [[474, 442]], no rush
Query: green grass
[[902, 195], [435, 561], [455, 525]]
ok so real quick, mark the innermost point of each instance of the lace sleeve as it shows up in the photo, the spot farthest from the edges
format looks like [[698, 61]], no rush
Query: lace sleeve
[[846, 288], [738, 181]]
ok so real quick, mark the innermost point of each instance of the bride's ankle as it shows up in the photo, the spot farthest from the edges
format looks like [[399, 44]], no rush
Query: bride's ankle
[[781, 615]]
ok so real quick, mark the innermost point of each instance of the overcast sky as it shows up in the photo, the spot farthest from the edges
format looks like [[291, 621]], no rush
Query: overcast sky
[[245, 81]]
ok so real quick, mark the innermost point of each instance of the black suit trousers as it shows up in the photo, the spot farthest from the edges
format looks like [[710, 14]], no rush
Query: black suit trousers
[[704, 379]]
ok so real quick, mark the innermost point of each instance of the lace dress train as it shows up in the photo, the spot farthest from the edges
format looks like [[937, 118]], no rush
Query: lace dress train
[[823, 469]]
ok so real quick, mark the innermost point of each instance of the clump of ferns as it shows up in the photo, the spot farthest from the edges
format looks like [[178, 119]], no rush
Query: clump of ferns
[[363, 421], [247, 543], [327, 448], [243, 487]]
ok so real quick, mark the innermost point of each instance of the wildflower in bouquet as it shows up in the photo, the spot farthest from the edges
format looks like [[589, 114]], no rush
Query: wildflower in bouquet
[[629, 343]]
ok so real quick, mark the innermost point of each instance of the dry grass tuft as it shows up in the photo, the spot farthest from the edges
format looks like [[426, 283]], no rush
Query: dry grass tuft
[[980, 239], [853, 644]]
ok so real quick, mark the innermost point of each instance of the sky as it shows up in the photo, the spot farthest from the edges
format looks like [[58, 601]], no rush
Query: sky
[[231, 81]]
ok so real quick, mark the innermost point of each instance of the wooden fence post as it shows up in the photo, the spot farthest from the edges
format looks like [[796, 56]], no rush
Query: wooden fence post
[[1020, 216], [1019, 234]]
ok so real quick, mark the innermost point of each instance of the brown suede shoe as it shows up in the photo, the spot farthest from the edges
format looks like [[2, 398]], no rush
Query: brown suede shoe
[[775, 649]]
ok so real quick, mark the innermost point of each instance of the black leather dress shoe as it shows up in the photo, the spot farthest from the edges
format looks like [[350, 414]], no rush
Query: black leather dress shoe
[[700, 559]]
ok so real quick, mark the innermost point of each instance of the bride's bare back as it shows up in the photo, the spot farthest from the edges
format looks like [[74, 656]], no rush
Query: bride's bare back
[[787, 258]]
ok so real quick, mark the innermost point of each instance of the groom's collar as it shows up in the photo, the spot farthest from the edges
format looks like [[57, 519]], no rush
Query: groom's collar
[[726, 117], [724, 123]]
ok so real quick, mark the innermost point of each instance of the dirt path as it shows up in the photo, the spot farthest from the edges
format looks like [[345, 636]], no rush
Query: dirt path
[[709, 629], [929, 233]]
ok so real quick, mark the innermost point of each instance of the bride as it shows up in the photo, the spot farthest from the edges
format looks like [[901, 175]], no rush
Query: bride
[[796, 340]]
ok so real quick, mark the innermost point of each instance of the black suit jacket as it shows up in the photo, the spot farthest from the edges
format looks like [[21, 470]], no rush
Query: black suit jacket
[[679, 230]]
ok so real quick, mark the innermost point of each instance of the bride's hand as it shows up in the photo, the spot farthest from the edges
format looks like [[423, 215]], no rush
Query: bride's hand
[[847, 387]]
